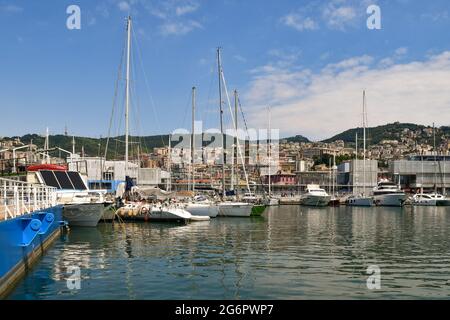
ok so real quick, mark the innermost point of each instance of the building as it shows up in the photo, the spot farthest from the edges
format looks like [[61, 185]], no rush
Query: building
[[428, 172], [351, 176]]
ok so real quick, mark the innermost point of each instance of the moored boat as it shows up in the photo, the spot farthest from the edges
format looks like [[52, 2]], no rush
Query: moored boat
[[235, 209], [315, 196], [388, 194]]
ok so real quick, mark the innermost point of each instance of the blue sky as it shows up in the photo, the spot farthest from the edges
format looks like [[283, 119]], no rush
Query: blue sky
[[308, 60]]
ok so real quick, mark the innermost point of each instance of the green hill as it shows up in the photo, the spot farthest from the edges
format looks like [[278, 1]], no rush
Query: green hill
[[391, 131], [297, 138], [96, 147]]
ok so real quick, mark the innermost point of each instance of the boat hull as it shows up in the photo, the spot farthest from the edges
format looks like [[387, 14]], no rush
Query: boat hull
[[203, 209], [315, 201], [443, 203], [390, 200], [258, 210], [360, 202], [235, 210], [83, 214]]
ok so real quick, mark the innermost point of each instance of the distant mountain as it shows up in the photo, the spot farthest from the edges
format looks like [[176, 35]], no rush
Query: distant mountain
[[391, 131], [95, 147], [297, 138]]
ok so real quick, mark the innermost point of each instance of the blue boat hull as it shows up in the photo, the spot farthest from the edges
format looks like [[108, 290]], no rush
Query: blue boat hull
[[23, 240]]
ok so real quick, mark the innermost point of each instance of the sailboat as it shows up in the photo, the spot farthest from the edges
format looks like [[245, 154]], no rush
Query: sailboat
[[229, 208], [137, 210], [361, 200], [199, 205], [270, 201]]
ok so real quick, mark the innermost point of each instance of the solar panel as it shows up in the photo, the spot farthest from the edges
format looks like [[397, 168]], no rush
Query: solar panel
[[63, 180], [76, 180], [50, 179]]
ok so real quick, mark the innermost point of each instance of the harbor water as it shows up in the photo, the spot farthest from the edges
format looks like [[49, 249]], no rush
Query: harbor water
[[291, 252]]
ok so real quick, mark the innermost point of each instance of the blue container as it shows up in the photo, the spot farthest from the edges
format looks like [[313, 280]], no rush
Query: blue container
[[23, 240]]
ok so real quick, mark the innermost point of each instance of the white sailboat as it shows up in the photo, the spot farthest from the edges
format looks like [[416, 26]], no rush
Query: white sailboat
[[152, 211], [361, 200], [199, 205], [270, 201], [229, 208]]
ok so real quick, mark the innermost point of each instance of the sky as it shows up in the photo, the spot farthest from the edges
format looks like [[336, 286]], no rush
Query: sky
[[308, 60]]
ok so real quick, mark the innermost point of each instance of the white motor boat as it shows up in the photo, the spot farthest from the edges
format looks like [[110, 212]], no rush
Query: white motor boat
[[441, 200], [387, 193], [81, 207], [235, 209], [315, 196], [360, 201], [423, 199], [202, 206]]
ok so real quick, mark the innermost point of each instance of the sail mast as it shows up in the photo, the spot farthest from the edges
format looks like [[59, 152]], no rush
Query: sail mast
[[270, 154], [364, 141], [356, 169], [234, 153], [127, 94], [193, 140], [221, 121]]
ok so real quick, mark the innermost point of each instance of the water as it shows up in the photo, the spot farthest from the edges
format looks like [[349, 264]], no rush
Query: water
[[291, 252]]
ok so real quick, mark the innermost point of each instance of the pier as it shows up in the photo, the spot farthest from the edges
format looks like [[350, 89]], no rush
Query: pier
[[30, 221]]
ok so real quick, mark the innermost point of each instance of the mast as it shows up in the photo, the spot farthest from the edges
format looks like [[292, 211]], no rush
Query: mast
[[234, 153], [221, 121], [193, 140], [270, 153], [356, 158], [169, 165], [127, 93], [435, 163], [364, 142]]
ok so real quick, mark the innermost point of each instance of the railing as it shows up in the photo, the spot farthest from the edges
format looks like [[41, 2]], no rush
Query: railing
[[18, 198]]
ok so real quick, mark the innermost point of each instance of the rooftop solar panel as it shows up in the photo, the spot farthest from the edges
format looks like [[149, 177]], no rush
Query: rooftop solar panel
[[64, 180], [50, 179], [76, 180]]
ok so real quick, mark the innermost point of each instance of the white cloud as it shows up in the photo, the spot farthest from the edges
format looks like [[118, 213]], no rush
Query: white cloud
[[173, 14], [179, 27], [298, 22], [323, 103], [124, 6], [334, 14], [182, 10], [338, 17]]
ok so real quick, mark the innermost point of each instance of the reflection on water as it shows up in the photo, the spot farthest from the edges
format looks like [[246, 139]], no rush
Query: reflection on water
[[291, 252]]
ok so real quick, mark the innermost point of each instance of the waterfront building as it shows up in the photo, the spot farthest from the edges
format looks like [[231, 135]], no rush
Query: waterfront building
[[429, 172]]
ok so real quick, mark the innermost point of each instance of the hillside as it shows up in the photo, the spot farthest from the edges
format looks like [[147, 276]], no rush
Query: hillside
[[95, 147], [297, 138], [391, 131]]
